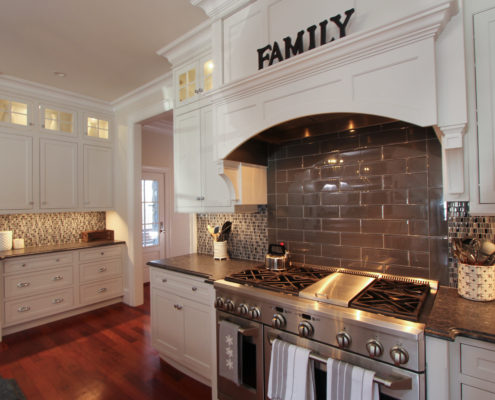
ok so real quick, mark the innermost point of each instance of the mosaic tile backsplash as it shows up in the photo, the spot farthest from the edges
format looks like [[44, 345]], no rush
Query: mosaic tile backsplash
[[248, 238], [52, 228]]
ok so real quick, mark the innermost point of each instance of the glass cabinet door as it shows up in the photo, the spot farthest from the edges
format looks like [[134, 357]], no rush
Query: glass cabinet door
[[13, 112], [57, 120]]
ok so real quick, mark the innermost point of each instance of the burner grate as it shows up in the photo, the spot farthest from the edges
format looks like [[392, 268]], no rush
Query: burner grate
[[290, 281], [400, 299]]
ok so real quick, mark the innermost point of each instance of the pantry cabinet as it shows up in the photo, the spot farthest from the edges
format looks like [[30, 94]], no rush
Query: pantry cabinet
[[16, 172], [182, 321]]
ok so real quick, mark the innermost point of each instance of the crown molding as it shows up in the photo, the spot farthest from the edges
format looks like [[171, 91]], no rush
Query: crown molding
[[160, 127], [27, 88], [188, 46], [144, 91], [220, 8]]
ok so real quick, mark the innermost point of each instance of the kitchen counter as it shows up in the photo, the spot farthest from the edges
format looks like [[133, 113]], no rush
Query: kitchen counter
[[203, 265], [453, 316], [52, 248]]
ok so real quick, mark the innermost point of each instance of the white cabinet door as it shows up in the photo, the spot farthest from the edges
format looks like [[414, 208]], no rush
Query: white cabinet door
[[16, 172], [97, 177], [167, 324], [197, 337], [58, 174], [187, 162], [216, 191], [484, 41]]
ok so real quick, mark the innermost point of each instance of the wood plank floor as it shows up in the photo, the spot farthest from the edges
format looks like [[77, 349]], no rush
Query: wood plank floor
[[103, 354]]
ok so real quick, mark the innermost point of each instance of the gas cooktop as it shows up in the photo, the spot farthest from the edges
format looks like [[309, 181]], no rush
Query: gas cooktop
[[383, 294]]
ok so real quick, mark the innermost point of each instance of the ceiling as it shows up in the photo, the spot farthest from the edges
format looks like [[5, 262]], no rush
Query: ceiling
[[106, 48]]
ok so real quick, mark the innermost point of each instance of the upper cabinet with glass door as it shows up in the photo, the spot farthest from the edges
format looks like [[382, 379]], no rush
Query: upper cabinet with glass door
[[15, 113], [97, 127], [193, 79], [57, 120]]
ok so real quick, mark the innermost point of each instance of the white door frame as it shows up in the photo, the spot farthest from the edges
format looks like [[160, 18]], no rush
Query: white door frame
[[167, 199]]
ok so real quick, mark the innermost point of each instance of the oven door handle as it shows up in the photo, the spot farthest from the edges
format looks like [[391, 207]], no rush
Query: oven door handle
[[393, 382], [253, 332]]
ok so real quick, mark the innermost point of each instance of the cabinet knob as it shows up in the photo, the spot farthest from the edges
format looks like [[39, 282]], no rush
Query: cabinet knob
[[58, 278], [194, 288], [102, 269], [23, 284], [23, 309], [23, 265], [102, 253], [43, 202], [102, 290], [57, 260]]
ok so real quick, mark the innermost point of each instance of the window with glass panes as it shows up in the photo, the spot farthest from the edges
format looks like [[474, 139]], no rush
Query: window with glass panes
[[97, 128], [150, 212]]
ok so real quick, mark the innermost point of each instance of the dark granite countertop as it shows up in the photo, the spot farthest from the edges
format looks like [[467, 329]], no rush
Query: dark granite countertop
[[52, 248], [203, 265], [453, 316]]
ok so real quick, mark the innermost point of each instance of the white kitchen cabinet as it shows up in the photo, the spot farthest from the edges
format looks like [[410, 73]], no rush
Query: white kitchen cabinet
[[182, 322], [55, 119], [193, 79], [42, 288], [198, 186], [58, 174], [97, 177], [16, 172]]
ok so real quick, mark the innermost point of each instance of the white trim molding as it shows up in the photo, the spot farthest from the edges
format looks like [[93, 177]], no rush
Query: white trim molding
[[220, 8]]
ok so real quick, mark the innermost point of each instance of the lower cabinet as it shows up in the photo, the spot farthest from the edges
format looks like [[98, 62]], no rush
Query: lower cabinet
[[183, 323], [460, 370], [38, 289]]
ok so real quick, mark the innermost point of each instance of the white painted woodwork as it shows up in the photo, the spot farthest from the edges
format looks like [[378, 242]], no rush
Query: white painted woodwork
[[40, 282], [484, 43], [199, 83], [247, 182], [437, 368], [41, 288], [16, 176], [181, 321], [97, 177], [473, 393], [58, 174]]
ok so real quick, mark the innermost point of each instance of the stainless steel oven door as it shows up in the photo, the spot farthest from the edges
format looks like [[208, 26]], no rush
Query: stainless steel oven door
[[250, 360], [397, 378]]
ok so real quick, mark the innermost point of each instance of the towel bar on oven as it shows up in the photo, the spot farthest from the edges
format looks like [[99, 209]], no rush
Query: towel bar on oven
[[391, 382]]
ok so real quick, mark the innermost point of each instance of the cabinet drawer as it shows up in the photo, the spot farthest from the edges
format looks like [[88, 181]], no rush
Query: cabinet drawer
[[100, 253], [36, 282], [478, 362], [99, 270], [23, 264], [473, 393], [28, 309], [99, 291], [184, 285]]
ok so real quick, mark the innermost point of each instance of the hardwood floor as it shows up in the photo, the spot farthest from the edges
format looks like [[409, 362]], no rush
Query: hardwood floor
[[103, 354]]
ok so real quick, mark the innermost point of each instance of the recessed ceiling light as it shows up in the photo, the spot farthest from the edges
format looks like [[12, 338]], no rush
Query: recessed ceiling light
[[60, 74]]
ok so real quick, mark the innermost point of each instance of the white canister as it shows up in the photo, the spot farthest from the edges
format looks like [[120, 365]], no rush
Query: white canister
[[476, 282], [5, 240], [18, 243], [220, 250]]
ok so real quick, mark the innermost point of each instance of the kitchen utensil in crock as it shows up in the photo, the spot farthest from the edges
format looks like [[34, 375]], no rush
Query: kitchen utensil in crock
[[224, 233]]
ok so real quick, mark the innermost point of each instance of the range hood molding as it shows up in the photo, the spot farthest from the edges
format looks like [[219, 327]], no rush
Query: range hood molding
[[388, 71]]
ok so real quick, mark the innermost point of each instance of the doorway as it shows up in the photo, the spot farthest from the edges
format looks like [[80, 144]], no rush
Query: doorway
[[154, 216]]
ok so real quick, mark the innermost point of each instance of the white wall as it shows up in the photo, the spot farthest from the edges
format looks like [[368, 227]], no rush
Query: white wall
[[157, 151]]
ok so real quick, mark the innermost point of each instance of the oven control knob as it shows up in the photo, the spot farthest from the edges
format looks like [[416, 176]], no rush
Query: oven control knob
[[374, 347], [219, 302], [305, 329], [278, 321], [254, 313], [229, 305], [343, 339], [242, 309], [399, 355]]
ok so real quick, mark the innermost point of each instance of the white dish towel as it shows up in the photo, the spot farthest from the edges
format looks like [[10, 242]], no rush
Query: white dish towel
[[350, 382], [291, 373]]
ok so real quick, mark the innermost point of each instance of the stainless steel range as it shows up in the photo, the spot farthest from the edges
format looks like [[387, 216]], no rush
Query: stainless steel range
[[371, 320]]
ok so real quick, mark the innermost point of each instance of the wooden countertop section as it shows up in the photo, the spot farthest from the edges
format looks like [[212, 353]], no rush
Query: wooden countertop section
[[52, 248], [204, 266], [453, 316]]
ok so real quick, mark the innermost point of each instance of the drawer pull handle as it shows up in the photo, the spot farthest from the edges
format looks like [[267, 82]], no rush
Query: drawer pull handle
[[23, 284], [102, 269], [178, 306], [102, 290], [164, 280], [57, 278], [102, 253], [23, 309], [57, 260], [58, 300], [194, 288], [23, 265]]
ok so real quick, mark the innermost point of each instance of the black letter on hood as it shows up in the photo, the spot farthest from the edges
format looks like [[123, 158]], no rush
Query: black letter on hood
[[262, 57], [342, 27], [298, 45]]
